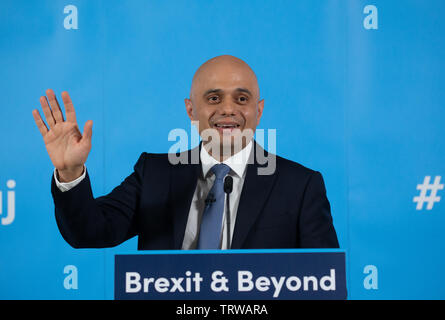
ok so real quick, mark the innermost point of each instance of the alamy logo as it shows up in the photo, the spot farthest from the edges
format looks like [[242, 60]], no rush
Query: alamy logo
[[8, 216], [424, 188], [226, 145]]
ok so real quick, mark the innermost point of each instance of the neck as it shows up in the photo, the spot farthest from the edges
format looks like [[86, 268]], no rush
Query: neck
[[223, 152]]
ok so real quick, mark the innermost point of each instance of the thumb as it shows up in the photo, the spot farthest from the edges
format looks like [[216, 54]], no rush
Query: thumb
[[87, 131]]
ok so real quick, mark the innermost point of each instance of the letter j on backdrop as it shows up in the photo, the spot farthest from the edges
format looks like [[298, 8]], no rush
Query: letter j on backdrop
[[8, 216]]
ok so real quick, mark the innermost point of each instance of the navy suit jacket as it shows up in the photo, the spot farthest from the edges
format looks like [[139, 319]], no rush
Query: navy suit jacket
[[286, 209]]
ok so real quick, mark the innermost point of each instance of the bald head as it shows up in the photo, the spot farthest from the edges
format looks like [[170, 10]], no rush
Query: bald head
[[227, 70], [224, 100]]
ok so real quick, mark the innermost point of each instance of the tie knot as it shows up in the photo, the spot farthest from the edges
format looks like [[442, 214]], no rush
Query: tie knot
[[220, 170]]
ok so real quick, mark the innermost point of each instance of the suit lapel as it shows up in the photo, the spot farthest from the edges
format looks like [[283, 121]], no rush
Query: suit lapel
[[183, 179], [253, 197]]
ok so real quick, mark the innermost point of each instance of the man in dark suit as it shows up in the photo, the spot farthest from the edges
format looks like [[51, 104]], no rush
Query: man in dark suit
[[171, 205]]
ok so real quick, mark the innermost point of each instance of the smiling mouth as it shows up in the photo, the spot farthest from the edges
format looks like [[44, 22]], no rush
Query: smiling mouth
[[225, 128], [226, 125]]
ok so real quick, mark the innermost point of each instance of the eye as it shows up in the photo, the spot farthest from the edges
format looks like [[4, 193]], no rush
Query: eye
[[242, 99], [213, 99]]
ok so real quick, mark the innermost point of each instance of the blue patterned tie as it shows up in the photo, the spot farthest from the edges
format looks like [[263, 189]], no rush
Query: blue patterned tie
[[210, 232]]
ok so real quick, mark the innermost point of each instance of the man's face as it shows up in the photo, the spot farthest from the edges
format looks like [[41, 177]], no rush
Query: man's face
[[225, 98]]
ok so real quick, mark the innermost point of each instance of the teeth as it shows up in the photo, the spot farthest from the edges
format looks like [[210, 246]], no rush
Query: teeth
[[226, 125]]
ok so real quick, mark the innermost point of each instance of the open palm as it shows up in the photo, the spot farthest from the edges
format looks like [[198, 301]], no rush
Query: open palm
[[67, 148]]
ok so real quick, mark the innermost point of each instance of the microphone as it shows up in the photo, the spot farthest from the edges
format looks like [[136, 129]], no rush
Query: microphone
[[228, 186]]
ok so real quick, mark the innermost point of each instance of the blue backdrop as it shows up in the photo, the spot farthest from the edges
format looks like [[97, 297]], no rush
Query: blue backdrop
[[355, 89]]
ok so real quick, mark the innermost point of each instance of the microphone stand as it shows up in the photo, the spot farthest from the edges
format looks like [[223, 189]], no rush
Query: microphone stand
[[228, 186]]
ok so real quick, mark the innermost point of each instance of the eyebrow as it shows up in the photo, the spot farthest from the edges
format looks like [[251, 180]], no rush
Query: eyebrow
[[219, 91], [212, 91], [244, 90]]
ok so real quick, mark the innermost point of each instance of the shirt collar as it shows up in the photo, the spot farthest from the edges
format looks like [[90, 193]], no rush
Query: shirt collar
[[237, 162]]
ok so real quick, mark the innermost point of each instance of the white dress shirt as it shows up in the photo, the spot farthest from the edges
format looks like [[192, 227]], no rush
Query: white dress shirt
[[237, 164]]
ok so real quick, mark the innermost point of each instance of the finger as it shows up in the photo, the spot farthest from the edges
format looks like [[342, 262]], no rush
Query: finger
[[87, 131], [39, 122], [57, 113], [47, 112], [69, 108]]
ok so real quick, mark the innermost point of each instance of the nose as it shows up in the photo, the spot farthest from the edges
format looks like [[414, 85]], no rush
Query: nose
[[227, 109]]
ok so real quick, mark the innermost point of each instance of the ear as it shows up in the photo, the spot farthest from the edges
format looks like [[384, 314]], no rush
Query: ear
[[189, 108], [260, 111]]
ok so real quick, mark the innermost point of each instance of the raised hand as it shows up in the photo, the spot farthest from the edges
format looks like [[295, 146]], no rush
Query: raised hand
[[66, 146]]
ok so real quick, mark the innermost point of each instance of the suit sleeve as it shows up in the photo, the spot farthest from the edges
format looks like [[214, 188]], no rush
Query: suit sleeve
[[86, 222], [315, 223]]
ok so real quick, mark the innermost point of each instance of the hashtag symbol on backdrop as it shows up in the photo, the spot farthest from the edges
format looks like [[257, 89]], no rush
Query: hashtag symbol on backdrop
[[432, 198]]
